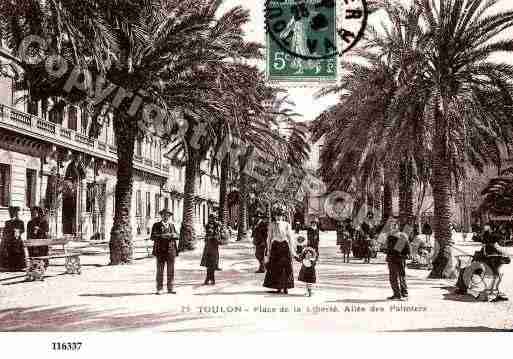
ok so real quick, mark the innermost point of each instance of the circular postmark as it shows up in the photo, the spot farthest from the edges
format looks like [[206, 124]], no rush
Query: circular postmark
[[315, 29]]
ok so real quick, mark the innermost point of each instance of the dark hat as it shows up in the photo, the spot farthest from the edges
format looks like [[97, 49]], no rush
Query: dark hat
[[300, 239], [165, 211]]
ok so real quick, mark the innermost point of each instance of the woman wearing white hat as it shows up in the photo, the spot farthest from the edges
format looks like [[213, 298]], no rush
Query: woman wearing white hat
[[280, 251]]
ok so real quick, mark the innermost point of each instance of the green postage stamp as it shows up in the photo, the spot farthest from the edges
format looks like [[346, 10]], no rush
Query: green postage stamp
[[305, 38]]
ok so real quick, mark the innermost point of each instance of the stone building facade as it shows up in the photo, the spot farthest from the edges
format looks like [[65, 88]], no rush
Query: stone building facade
[[53, 163]]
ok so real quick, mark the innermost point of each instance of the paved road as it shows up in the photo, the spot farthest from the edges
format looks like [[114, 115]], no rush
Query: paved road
[[348, 297]]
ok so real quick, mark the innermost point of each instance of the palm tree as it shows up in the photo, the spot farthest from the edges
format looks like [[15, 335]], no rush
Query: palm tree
[[446, 66], [160, 47], [169, 53], [69, 29], [469, 94], [352, 158]]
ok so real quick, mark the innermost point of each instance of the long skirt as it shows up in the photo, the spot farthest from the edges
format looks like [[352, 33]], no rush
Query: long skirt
[[279, 273], [210, 257], [345, 247], [307, 274], [12, 255]]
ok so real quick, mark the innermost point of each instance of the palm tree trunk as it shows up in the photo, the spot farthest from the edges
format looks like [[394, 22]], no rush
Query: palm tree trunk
[[442, 194], [223, 183], [243, 207], [121, 233], [186, 242], [387, 201], [406, 194]]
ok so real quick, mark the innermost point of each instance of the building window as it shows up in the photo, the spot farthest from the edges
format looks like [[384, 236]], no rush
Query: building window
[[138, 149], [138, 203], [32, 108], [148, 205], [56, 114], [90, 197], [5, 181], [173, 205], [30, 190], [84, 120], [72, 118], [166, 203], [157, 204]]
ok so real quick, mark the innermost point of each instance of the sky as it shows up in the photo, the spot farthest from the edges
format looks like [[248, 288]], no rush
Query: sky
[[303, 97]]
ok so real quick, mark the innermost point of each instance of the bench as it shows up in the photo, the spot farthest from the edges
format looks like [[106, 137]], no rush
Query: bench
[[36, 266], [147, 245]]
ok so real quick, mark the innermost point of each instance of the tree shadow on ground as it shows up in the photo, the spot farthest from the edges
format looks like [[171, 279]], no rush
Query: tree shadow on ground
[[14, 277], [263, 293], [359, 301], [80, 318], [452, 329], [81, 265], [455, 297], [114, 295], [25, 280]]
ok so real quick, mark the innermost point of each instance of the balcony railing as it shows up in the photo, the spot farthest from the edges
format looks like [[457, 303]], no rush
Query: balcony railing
[[33, 126], [65, 132], [45, 126]]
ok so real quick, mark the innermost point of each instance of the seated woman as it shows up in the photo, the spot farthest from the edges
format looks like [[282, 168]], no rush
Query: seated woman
[[494, 257], [37, 228]]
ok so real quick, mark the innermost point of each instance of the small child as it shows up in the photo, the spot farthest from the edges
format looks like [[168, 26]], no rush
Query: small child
[[307, 274], [367, 249], [346, 247]]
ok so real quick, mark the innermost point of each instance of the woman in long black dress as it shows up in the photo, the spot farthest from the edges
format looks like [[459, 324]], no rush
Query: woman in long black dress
[[280, 246], [37, 228], [12, 253], [210, 257]]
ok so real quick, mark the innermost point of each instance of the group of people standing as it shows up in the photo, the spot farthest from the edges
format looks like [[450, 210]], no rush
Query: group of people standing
[[12, 247], [276, 248], [165, 249], [360, 241], [363, 243]]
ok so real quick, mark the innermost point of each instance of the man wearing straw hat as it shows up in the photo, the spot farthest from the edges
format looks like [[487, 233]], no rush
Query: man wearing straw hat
[[164, 236]]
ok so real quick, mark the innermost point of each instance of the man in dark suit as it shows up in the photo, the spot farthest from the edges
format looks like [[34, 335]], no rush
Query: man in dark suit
[[259, 235], [164, 236]]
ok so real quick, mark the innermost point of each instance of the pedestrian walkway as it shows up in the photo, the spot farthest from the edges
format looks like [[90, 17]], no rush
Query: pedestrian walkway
[[348, 297]]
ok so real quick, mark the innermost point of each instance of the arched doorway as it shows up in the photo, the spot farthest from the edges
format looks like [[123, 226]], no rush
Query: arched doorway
[[71, 198]]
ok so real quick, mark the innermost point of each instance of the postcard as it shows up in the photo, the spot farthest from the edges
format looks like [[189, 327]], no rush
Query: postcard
[[261, 167]]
